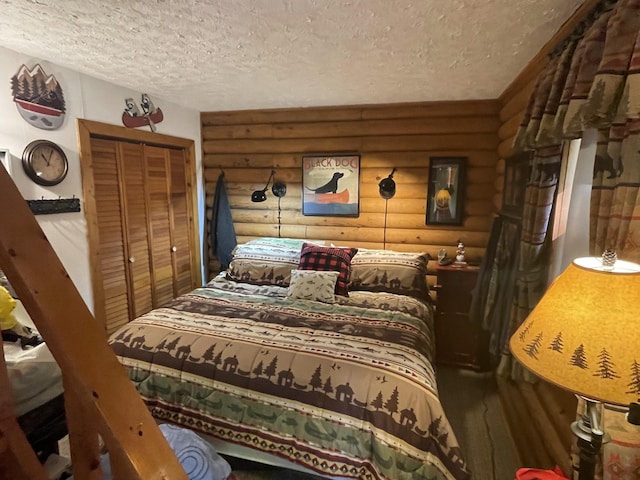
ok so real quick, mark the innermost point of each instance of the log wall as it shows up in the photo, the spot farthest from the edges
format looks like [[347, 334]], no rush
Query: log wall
[[246, 145]]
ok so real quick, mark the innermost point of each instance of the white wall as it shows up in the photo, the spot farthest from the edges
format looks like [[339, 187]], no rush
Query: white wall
[[87, 98]]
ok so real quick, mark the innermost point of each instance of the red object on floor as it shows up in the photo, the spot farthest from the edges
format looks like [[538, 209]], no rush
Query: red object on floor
[[536, 474]]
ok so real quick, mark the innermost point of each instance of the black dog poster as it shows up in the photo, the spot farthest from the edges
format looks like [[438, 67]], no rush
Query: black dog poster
[[330, 185]]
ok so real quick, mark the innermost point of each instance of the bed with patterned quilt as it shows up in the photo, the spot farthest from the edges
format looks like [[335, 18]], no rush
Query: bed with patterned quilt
[[318, 355]]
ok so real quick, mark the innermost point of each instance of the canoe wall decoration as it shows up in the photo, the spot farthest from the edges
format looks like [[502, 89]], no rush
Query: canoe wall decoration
[[330, 185], [38, 97], [145, 115]]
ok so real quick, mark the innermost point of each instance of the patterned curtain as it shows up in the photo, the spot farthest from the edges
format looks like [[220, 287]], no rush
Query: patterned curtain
[[491, 297], [535, 241], [592, 81], [614, 108]]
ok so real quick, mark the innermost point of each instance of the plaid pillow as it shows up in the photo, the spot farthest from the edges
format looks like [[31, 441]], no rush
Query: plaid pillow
[[331, 259]]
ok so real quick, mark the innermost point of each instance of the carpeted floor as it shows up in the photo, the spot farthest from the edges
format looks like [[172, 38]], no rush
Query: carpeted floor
[[473, 407], [472, 404]]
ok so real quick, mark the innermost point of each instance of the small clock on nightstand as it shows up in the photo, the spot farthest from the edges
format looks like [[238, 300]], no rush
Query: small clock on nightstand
[[45, 162]]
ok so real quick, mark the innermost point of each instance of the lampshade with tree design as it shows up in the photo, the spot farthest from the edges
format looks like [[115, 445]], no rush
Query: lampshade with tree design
[[584, 334]]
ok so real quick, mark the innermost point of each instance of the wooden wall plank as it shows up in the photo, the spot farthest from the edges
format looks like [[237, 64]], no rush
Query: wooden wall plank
[[399, 159], [510, 127], [379, 143], [528, 439], [292, 203], [516, 104], [347, 113], [410, 126], [553, 444]]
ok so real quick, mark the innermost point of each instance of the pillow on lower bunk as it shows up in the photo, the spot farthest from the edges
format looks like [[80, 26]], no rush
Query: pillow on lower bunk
[[313, 285], [265, 261], [332, 259], [390, 271]]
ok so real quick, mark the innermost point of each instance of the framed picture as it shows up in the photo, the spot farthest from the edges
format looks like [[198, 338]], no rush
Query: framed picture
[[516, 174], [5, 159], [445, 193], [331, 185]]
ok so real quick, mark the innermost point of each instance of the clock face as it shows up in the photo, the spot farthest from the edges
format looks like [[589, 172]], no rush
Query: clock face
[[44, 162]]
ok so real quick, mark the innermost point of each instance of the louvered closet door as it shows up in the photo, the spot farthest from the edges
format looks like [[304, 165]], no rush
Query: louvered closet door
[[136, 234], [112, 267], [119, 177], [158, 187], [181, 245], [140, 206]]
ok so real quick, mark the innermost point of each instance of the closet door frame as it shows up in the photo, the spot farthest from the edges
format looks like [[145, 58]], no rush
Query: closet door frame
[[86, 129]]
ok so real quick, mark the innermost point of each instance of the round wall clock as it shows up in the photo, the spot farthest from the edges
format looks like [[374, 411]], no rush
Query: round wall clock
[[45, 162]]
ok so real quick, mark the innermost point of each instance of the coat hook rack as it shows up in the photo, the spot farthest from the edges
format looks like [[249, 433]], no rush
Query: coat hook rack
[[56, 205]]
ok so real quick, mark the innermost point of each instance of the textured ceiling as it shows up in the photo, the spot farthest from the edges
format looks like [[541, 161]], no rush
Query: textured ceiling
[[249, 54]]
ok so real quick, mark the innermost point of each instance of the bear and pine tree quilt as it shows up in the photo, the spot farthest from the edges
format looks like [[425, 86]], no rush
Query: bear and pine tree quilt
[[346, 389]]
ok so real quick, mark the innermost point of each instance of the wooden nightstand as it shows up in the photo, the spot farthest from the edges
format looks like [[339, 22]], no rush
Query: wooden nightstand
[[458, 341]]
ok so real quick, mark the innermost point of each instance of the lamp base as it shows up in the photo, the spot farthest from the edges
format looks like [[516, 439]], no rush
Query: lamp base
[[591, 436], [588, 459]]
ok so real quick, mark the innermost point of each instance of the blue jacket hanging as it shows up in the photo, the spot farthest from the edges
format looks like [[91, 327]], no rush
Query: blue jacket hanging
[[223, 234]]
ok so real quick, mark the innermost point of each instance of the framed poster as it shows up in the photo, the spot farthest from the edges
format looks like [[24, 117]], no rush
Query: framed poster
[[5, 159], [331, 185], [445, 193]]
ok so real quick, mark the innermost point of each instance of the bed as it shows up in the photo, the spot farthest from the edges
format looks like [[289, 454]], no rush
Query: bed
[[33, 372], [320, 356], [36, 385]]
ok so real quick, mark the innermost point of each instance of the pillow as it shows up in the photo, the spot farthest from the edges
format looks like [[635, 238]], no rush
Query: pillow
[[333, 259], [265, 261], [388, 271], [313, 285]]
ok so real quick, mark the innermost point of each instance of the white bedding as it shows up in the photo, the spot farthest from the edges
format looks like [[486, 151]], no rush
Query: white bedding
[[34, 374]]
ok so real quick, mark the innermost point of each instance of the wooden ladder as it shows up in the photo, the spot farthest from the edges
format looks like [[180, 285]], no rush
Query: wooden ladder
[[100, 400]]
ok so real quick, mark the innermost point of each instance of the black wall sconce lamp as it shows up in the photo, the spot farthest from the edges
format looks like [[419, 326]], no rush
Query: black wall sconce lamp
[[279, 189], [387, 188]]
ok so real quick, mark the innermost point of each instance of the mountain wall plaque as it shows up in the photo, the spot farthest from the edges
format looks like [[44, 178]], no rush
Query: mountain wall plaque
[[38, 97]]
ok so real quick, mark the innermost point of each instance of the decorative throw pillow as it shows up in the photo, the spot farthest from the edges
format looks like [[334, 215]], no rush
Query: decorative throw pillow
[[389, 271], [265, 261], [313, 285], [333, 259]]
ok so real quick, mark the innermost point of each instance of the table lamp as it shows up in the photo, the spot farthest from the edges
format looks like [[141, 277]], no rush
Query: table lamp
[[584, 336]]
